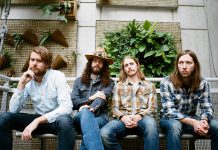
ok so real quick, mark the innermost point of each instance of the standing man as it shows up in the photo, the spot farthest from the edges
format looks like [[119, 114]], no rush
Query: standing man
[[89, 96], [180, 95], [134, 106], [50, 95]]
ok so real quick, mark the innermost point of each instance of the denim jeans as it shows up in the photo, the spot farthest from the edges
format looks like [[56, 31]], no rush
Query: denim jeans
[[18, 121], [89, 125], [174, 130], [115, 129]]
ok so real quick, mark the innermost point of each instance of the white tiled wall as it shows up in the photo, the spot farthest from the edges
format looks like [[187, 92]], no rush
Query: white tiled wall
[[197, 40], [86, 36], [191, 17]]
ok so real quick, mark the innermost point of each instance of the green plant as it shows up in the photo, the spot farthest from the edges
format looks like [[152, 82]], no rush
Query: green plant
[[155, 50], [63, 8], [18, 39], [6, 59]]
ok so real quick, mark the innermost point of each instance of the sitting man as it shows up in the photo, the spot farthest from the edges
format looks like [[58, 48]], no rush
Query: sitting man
[[134, 105], [181, 93], [50, 95], [89, 96]]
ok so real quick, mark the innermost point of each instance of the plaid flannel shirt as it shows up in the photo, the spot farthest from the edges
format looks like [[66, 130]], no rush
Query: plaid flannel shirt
[[130, 100], [179, 104]]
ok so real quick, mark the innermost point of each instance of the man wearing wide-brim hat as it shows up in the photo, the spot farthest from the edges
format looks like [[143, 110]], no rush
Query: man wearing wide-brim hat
[[90, 94]]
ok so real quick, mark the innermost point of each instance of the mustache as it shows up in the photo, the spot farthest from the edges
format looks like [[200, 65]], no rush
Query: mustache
[[131, 70]]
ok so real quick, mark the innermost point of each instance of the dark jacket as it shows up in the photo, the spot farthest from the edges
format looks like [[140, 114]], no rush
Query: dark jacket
[[81, 93]]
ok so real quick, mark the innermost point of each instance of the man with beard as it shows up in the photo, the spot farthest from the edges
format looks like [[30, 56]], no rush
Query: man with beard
[[181, 93], [50, 95], [89, 96], [134, 106]]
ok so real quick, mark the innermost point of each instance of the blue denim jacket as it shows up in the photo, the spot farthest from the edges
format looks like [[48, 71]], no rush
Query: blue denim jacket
[[81, 93]]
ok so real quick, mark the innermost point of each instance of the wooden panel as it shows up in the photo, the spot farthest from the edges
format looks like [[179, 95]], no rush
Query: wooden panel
[[33, 2], [172, 4], [20, 55]]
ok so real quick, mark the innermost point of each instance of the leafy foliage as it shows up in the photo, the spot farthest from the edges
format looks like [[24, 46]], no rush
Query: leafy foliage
[[62, 8], [155, 50], [8, 55]]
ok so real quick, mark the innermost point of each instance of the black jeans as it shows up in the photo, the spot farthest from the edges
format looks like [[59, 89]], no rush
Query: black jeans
[[63, 127]]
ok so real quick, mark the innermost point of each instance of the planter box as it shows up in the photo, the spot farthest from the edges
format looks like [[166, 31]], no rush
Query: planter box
[[72, 14], [166, 4]]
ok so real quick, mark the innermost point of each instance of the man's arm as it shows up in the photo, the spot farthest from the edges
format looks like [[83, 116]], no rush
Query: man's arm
[[101, 97], [21, 94], [205, 101], [27, 132], [201, 127], [116, 101]]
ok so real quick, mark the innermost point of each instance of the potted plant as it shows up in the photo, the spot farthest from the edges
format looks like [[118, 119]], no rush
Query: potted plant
[[17, 39], [56, 36], [5, 59], [155, 50], [58, 63], [66, 10]]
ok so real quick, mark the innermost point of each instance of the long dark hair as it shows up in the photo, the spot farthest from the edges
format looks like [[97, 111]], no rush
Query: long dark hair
[[104, 73], [196, 75]]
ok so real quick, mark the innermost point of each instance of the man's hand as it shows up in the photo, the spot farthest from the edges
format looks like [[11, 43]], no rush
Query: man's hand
[[25, 78], [86, 106], [201, 127], [136, 118], [99, 94], [27, 132], [128, 121]]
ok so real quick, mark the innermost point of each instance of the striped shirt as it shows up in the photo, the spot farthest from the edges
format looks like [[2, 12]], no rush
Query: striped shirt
[[129, 99], [181, 103]]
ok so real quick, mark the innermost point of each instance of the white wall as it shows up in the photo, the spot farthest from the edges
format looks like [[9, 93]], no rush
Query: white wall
[[198, 20]]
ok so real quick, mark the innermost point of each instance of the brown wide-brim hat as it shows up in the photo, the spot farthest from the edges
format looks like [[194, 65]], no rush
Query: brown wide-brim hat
[[100, 53]]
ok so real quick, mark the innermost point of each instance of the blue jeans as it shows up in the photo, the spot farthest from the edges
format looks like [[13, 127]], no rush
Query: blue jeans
[[174, 130], [89, 125], [115, 129], [18, 121]]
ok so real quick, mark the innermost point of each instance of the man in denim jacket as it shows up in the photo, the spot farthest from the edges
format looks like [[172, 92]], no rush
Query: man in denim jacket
[[89, 96]]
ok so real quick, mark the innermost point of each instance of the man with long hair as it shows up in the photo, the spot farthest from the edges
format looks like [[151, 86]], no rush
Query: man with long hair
[[50, 95], [134, 106], [181, 93], [90, 94]]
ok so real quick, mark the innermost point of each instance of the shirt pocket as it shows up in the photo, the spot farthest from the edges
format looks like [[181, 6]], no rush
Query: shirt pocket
[[51, 98], [126, 98], [142, 100], [84, 93]]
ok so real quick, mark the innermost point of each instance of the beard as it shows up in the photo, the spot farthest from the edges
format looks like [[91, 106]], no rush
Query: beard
[[187, 81], [96, 70], [38, 72]]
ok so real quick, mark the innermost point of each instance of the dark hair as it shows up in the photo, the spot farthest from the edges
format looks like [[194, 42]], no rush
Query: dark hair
[[104, 73], [123, 75], [196, 76]]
